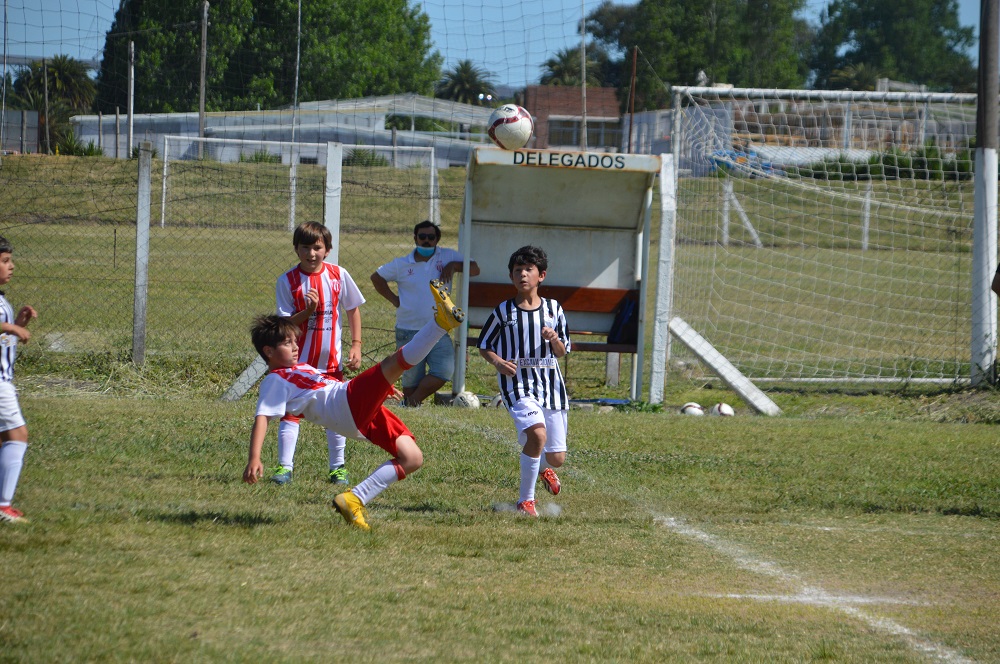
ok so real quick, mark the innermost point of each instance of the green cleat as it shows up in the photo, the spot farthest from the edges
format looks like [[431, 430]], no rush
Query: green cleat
[[281, 475], [338, 475]]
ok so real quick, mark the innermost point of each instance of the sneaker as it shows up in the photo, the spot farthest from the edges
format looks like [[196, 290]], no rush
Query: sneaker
[[551, 481], [446, 314], [281, 475], [351, 509], [11, 515], [338, 475], [527, 507]]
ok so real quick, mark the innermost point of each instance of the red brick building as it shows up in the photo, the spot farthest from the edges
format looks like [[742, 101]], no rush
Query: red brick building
[[557, 111]]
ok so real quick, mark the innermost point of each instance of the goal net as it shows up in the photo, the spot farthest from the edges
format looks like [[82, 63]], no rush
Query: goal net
[[825, 236]]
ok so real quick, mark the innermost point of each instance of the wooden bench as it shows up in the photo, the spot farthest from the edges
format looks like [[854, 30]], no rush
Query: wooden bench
[[572, 299]]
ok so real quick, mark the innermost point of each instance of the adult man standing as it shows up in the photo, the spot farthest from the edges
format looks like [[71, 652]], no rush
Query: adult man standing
[[414, 306]]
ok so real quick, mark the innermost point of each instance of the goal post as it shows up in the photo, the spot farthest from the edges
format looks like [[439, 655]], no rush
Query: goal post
[[856, 244]]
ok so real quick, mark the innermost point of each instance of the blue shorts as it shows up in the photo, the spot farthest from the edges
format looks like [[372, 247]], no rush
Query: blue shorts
[[440, 362]]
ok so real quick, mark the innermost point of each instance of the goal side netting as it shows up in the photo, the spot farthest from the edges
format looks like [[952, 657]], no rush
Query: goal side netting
[[826, 237]]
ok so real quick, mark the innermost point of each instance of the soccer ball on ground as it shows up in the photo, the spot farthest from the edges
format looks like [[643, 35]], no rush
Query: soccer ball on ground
[[465, 400], [510, 127], [723, 409], [691, 408]]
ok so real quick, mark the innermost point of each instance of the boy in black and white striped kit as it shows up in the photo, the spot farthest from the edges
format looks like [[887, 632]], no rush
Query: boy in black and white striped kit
[[523, 338], [13, 429]]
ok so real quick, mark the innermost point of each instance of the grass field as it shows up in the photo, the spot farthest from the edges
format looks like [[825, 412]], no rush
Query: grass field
[[862, 526], [849, 532]]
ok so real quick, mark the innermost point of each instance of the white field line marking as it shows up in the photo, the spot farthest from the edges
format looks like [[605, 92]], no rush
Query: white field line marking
[[813, 594], [806, 593]]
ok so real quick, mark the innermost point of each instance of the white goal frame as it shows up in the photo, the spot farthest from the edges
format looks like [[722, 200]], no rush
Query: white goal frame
[[918, 118]]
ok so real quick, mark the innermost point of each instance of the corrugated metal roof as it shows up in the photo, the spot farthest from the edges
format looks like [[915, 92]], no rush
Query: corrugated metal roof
[[409, 105]]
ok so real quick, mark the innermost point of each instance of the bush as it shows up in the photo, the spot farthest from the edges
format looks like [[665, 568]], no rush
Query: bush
[[364, 157], [261, 156]]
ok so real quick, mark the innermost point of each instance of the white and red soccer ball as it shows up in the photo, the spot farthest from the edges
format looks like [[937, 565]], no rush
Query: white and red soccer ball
[[692, 408], [510, 127], [722, 409]]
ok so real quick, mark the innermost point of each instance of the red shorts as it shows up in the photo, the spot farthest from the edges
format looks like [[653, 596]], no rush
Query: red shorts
[[365, 396]]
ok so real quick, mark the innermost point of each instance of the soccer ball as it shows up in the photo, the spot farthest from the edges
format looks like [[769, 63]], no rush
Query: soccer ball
[[691, 408], [465, 400], [510, 127], [723, 409]]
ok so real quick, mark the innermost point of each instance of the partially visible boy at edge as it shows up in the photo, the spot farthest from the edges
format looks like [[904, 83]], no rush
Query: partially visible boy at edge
[[354, 408], [13, 428], [312, 294], [531, 331]]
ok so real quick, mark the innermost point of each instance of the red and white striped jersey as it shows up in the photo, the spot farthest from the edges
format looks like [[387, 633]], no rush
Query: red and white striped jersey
[[319, 340], [304, 391]]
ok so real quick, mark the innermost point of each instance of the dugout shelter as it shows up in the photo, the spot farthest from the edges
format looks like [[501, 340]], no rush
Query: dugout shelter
[[590, 212]]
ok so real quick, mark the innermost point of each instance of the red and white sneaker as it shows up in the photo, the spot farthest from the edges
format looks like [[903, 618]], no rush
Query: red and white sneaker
[[551, 481], [527, 507], [11, 515]]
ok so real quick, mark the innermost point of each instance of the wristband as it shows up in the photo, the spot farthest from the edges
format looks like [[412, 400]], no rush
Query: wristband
[[356, 341]]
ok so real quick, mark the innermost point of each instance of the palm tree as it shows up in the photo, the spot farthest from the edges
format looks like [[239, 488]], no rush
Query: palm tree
[[68, 88], [466, 83], [855, 77], [68, 82], [564, 68]]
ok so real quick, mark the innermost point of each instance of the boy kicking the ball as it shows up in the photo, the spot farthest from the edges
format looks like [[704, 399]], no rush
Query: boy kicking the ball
[[523, 338], [354, 408]]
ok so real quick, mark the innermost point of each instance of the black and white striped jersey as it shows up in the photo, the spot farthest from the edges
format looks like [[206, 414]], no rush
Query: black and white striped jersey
[[516, 335], [8, 342]]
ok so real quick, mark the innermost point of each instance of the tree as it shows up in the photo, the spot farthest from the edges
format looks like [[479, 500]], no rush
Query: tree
[[752, 43], [917, 41], [855, 77], [69, 88], [465, 83], [564, 67], [348, 49]]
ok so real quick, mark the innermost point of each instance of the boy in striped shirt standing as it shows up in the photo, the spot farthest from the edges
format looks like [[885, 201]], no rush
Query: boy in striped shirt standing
[[13, 429], [312, 294], [523, 338]]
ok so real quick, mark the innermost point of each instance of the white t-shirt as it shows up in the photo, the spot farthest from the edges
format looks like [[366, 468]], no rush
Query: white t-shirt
[[416, 304], [302, 390]]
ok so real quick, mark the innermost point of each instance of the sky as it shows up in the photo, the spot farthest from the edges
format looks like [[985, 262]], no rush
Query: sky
[[511, 39]]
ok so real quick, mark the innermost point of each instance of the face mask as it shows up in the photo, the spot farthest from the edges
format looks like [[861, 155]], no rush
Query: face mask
[[426, 252]]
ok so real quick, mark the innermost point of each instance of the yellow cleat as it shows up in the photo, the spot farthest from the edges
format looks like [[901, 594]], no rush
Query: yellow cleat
[[446, 314], [351, 508]]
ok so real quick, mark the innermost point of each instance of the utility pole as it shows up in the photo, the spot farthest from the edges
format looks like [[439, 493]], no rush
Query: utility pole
[[45, 80]]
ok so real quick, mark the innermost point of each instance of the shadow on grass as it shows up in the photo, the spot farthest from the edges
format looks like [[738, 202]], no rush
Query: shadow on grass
[[193, 518]]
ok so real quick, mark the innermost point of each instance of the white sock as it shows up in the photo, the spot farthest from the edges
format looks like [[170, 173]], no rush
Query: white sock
[[377, 482], [335, 445], [529, 475], [11, 460], [288, 435], [417, 348], [544, 463]]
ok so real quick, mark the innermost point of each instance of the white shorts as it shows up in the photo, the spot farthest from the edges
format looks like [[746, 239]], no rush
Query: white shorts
[[10, 409], [527, 413]]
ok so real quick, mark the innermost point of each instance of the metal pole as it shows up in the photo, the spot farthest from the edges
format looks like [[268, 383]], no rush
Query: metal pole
[[201, 80], [984, 232], [583, 76], [131, 96], [140, 297]]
